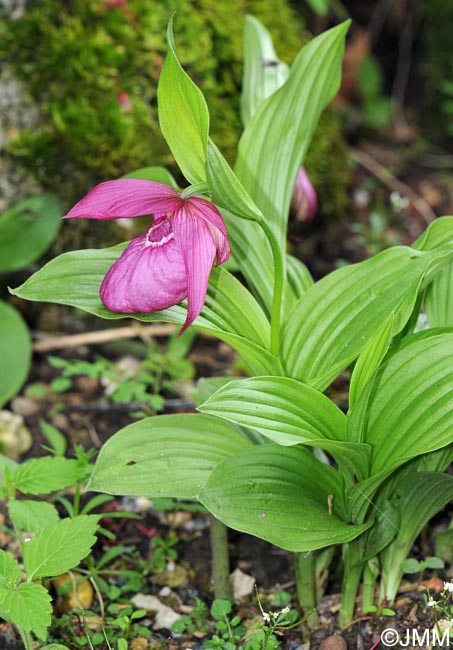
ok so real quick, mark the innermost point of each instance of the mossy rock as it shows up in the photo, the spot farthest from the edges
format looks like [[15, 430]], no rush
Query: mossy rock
[[94, 67]]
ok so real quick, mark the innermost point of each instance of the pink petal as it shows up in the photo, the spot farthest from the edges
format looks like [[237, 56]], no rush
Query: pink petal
[[212, 216], [194, 238], [148, 276], [127, 197], [305, 200]]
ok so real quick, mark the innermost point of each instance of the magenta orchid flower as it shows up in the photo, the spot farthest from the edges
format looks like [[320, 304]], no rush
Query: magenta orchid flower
[[172, 260], [305, 200]]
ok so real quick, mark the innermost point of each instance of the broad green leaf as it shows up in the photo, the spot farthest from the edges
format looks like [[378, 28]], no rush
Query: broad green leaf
[[276, 139], [439, 299], [289, 413], [27, 230], [225, 188], [60, 547], [183, 115], [284, 410], [155, 174], [280, 494], [6, 464], [47, 474], [165, 456], [28, 605], [15, 352], [421, 496], [10, 571], [384, 529], [333, 321], [406, 409], [263, 72], [299, 277], [230, 312], [55, 646], [369, 359], [439, 232], [31, 516]]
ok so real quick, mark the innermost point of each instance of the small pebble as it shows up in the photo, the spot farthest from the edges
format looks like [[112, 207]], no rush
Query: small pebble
[[334, 642]]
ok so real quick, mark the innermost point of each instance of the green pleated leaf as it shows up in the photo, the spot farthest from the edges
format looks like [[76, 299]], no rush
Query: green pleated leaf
[[47, 474], [299, 277], [284, 410], [230, 312], [165, 456], [183, 115], [369, 359], [264, 73], [31, 516], [289, 413], [406, 410], [60, 547], [276, 138], [333, 321], [439, 299], [28, 605], [26, 231], [15, 352], [281, 494], [439, 232], [421, 496]]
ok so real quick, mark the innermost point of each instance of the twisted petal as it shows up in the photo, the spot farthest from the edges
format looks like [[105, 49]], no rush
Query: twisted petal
[[198, 249], [207, 211], [305, 200], [149, 275], [127, 197]]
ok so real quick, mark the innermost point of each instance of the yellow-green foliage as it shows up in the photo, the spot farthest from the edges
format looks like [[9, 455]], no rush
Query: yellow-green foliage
[[81, 57]]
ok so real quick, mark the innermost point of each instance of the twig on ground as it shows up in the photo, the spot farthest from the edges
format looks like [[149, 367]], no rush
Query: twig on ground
[[386, 177]]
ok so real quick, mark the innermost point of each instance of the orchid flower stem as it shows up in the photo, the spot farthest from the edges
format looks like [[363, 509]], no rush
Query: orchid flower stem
[[306, 586], [220, 559], [278, 287]]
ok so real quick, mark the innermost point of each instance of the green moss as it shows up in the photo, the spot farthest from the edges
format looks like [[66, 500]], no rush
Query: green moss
[[80, 59], [439, 69]]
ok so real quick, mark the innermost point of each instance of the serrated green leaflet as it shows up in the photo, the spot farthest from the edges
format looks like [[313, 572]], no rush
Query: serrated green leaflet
[[31, 516], [230, 311], [60, 547], [47, 474], [171, 456], [10, 571], [26, 231], [333, 321], [28, 605], [406, 410], [282, 495], [183, 115], [15, 352]]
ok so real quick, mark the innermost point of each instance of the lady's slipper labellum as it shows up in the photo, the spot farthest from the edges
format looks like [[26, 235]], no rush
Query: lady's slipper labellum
[[305, 201], [168, 263]]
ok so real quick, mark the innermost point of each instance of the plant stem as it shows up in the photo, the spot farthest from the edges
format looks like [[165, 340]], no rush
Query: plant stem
[[306, 586], [220, 559], [353, 567], [369, 586], [26, 637], [76, 504], [278, 287]]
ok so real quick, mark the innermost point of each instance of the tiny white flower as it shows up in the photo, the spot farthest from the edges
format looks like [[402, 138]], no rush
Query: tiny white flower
[[432, 602], [285, 610], [266, 617], [448, 586]]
